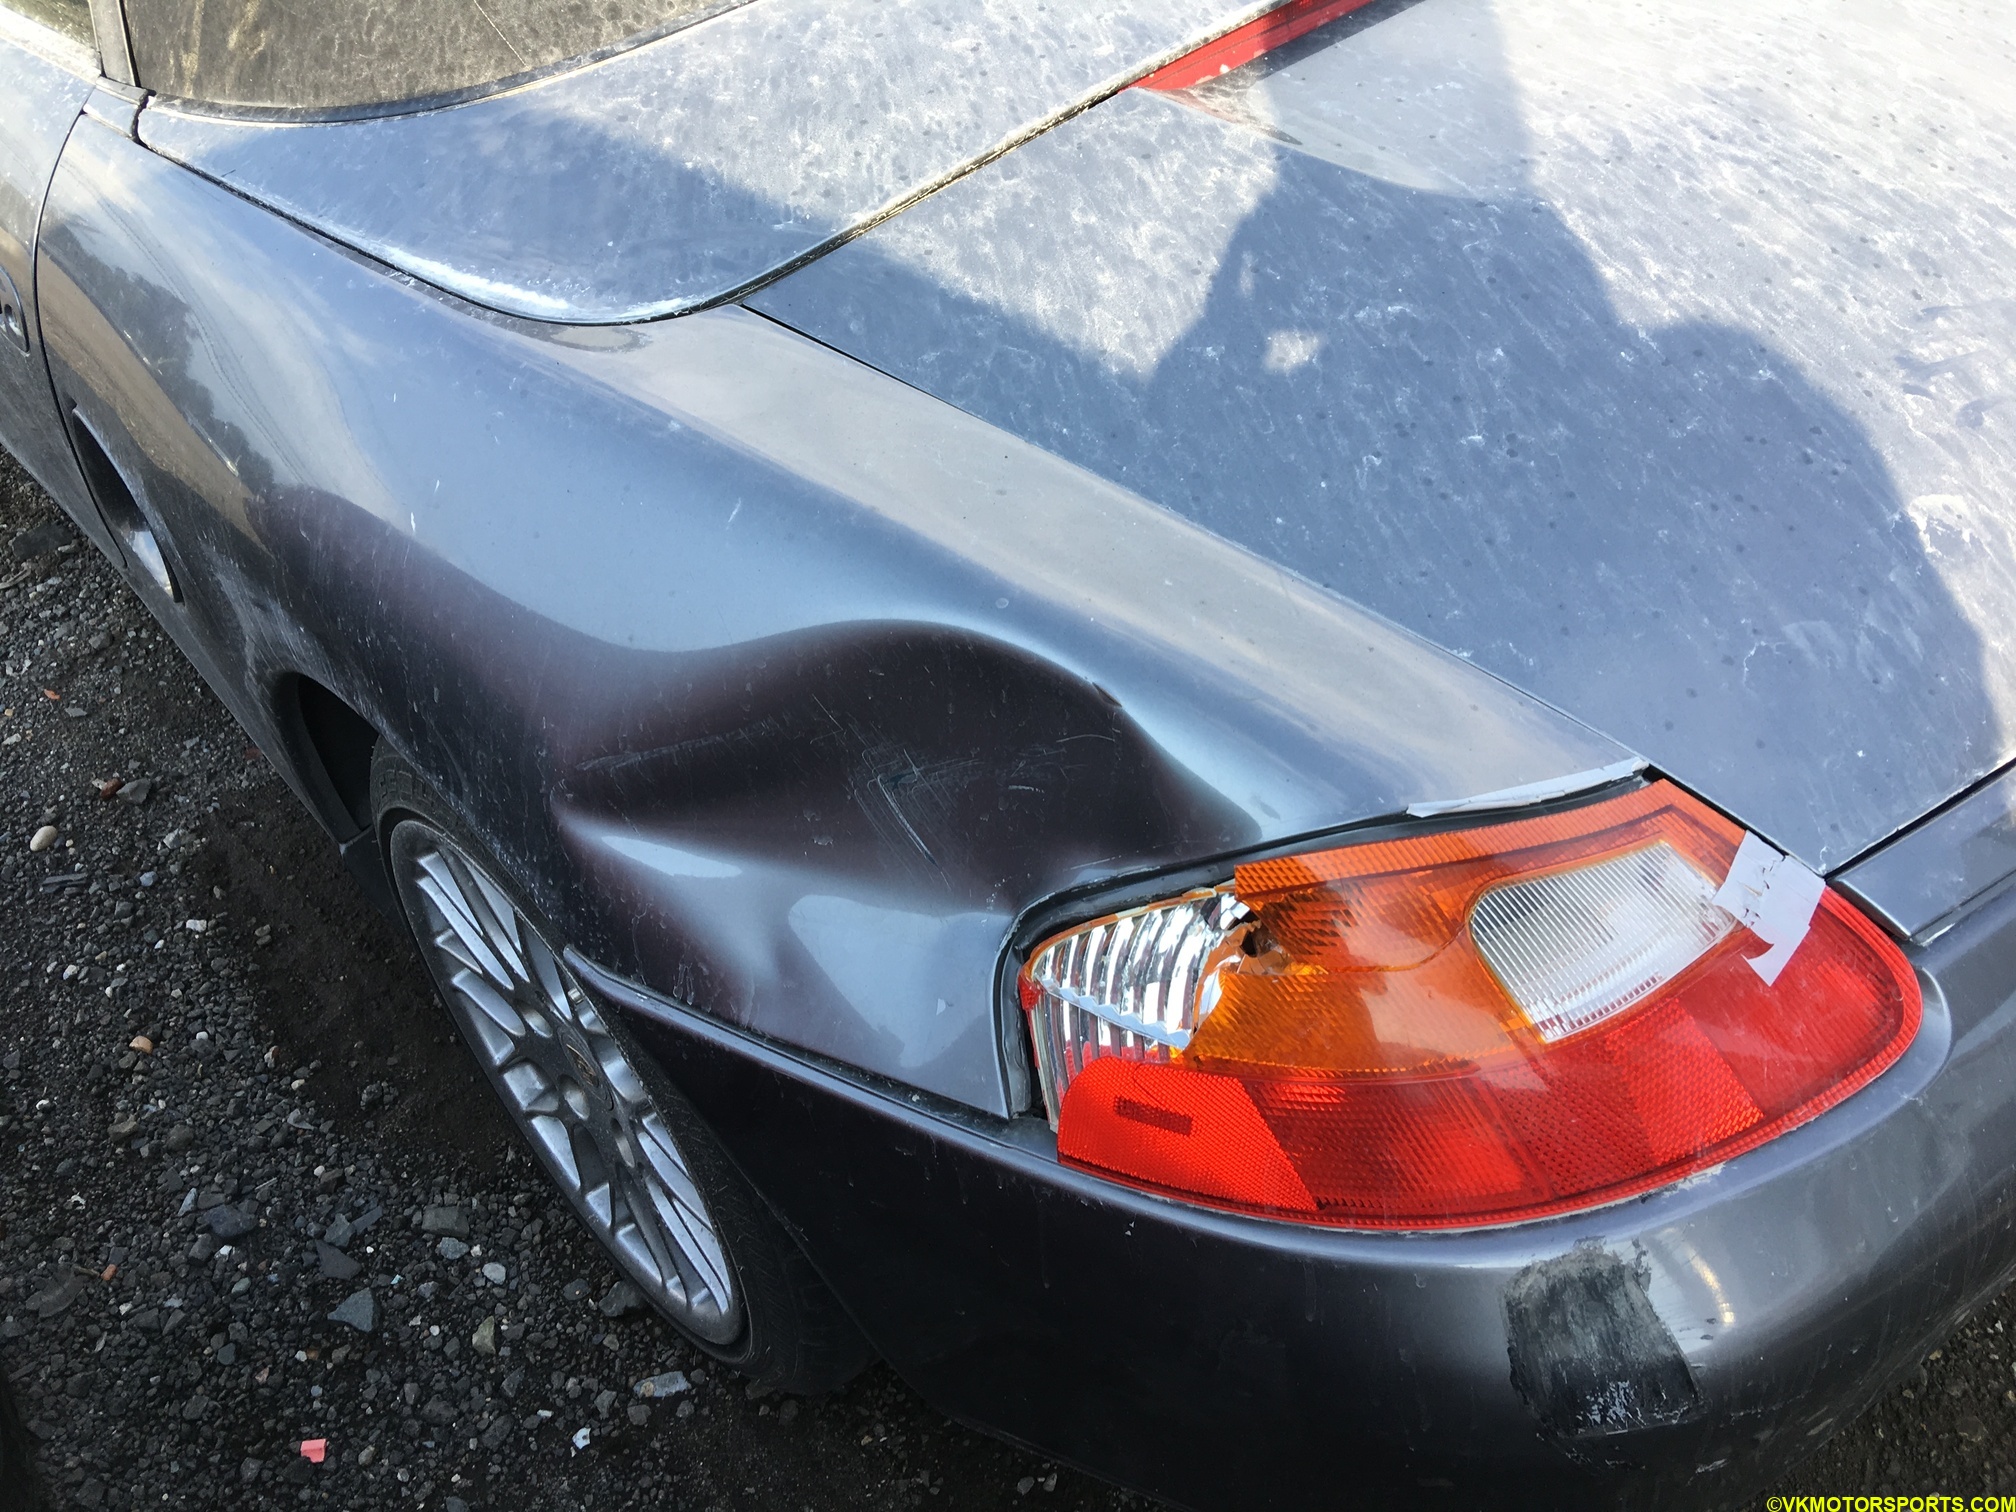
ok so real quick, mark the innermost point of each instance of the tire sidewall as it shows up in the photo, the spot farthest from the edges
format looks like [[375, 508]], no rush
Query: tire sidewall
[[766, 1347]]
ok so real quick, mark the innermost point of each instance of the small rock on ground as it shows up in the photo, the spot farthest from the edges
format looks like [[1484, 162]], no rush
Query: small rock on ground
[[359, 1310], [620, 1299]]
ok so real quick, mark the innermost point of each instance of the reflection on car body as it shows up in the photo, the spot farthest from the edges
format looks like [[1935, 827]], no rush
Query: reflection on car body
[[1270, 737]]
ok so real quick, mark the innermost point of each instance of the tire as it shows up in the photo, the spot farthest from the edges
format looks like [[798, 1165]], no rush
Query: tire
[[643, 1173]]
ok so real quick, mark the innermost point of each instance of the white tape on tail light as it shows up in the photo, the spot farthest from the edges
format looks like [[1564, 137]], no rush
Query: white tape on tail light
[[1773, 895]]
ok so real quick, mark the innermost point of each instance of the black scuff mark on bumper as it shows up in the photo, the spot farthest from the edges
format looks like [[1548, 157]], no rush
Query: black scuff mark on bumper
[[1589, 1355]]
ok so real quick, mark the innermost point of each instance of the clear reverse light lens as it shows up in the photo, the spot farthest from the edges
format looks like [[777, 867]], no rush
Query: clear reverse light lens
[[1135, 985], [1574, 947]]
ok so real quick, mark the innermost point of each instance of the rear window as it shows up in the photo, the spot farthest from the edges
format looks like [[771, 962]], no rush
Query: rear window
[[71, 17], [344, 56]]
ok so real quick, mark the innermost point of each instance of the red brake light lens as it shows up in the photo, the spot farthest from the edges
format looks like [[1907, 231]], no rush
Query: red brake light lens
[[1471, 1027], [1277, 28]]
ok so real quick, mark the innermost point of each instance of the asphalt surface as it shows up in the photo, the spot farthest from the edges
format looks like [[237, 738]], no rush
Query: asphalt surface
[[229, 1108]]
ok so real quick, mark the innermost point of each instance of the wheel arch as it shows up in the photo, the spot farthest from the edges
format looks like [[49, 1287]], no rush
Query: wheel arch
[[329, 747]]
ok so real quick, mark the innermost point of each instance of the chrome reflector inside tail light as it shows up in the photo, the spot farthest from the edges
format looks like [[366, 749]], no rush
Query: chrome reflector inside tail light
[[1135, 984]]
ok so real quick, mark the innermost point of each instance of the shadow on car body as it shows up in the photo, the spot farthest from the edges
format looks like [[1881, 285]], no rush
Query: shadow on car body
[[1389, 361], [1425, 400]]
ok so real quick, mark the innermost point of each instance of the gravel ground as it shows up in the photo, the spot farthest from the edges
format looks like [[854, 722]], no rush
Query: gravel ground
[[229, 1109]]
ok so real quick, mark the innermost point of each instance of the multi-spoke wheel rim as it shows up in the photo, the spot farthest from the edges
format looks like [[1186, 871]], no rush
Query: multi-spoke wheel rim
[[568, 1082]]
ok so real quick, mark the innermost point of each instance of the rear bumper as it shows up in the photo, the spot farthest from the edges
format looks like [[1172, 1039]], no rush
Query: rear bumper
[[1672, 1350]]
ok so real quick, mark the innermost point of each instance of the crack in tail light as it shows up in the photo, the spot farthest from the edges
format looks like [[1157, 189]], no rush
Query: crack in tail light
[[1474, 1026]]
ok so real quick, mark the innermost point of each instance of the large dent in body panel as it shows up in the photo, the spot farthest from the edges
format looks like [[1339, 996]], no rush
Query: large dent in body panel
[[725, 644], [681, 171], [828, 835], [1073, 553]]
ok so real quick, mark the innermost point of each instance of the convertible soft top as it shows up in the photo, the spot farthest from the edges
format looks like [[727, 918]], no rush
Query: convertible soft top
[[685, 170]]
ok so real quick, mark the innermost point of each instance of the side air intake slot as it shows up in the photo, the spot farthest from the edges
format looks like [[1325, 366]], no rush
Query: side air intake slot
[[119, 508]]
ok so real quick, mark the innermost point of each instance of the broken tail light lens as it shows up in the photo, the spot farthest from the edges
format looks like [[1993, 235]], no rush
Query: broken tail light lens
[[1468, 1027]]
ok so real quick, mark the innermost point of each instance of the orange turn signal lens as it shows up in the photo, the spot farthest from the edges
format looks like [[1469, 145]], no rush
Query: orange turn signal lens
[[1475, 1026]]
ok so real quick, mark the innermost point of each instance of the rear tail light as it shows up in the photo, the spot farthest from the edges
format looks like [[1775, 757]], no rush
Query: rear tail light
[[1469, 1027]]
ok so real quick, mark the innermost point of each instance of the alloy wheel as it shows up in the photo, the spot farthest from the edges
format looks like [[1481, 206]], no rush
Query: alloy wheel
[[569, 1082]]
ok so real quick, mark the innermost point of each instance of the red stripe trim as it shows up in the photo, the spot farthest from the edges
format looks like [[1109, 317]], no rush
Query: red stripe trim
[[1262, 35]]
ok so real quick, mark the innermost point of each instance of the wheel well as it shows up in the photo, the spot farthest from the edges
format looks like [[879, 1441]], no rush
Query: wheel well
[[340, 741]]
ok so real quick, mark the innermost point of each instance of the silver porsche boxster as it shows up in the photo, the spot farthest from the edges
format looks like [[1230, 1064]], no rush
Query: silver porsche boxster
[[1276, 738]]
